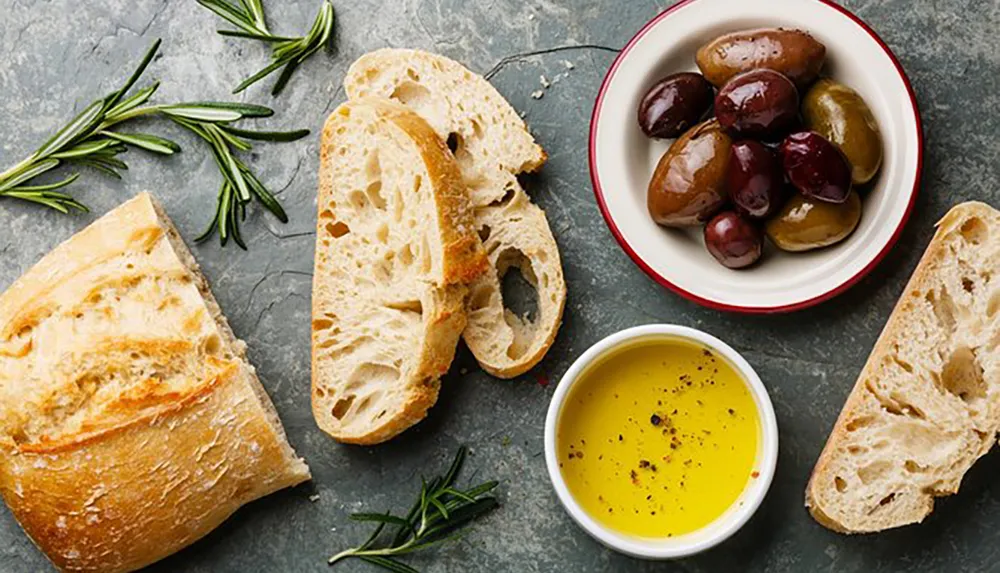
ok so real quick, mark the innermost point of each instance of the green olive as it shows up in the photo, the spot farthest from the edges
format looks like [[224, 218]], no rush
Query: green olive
[[839, 114], [805, 224], [689, 184]]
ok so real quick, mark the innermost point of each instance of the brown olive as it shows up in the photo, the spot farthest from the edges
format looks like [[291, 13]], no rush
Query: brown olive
[[841, 115], [805, 224], [675, 104], [759, 103], [734, 241], [816, 167], [794, 53], [689, 184]]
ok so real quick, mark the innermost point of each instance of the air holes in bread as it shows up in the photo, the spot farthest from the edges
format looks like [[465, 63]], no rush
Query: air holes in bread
[[840, 484], [962, 376], [414, 306], [454, 142], [322, 324], [519, 291], [484, 233], [887, 499], [382, 233], [913, 467], [975, 231], [968, 285], [337, 229], [480, 298], [212, 345], [342, 406], [859, 423], [944, 308], [508, 196], [874, 471], [373, 175], [410, 93], [993, 305]]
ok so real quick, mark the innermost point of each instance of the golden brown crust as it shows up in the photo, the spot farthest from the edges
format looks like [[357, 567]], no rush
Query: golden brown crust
[[130, 425], [894, 329]]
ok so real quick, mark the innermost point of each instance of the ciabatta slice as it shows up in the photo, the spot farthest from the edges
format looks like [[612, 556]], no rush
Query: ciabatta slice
[[927, 404], [396, 248], [492, 146]]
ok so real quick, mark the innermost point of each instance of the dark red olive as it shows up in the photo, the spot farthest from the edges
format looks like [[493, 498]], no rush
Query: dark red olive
[[675, 104], [755, 180], [816, 167], [733, 240], [759, 104]]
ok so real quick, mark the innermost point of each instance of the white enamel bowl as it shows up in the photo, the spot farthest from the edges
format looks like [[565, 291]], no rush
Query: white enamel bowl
[[738, 513], [622, 159]]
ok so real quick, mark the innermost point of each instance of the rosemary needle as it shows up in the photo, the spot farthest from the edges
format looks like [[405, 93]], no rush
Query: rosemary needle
[[435, 518], [94, 139], [286, 52]]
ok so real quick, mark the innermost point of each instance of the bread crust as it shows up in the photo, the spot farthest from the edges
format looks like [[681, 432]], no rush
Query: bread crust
[[442, 302], [143, 466], [821, 480]]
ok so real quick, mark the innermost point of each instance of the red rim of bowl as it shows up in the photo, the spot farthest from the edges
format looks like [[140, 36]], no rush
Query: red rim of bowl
[[599, 192]]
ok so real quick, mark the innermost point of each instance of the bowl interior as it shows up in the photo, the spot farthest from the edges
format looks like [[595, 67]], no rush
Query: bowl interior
[[623, 159], [741, 509]]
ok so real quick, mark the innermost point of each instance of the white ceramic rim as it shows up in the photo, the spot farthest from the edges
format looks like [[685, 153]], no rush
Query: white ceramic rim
[[838, 272], [729, 522]]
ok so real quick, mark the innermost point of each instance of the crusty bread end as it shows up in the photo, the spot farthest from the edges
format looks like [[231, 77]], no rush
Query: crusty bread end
[[927, 403]]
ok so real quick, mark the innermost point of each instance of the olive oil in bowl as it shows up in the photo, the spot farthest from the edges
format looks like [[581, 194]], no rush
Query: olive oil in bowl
[[658, 438]]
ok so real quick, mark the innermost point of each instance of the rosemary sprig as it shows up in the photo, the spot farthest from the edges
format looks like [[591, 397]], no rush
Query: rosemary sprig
[[93, 139], [435, 518], [286, 52]]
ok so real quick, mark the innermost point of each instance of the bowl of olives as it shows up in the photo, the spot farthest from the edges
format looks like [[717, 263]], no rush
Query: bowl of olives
[[756, 156]]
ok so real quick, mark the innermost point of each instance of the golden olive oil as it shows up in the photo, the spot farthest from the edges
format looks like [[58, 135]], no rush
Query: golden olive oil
[[658, 439]]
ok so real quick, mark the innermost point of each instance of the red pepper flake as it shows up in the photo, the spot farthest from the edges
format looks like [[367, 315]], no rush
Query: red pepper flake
[[643, 464], [755, 475], [543, 380]]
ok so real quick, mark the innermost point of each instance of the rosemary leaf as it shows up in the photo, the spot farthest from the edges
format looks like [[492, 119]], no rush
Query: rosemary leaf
[[266, 135], [380, 518], [48, 186], [85, 148], [72, 130], [389, 564], [199, 113], [254, 36], [140, 97], [145, 141], [28, 174]]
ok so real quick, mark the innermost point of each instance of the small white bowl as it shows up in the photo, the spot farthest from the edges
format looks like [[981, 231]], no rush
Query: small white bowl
[[622, 159], [733, 518]]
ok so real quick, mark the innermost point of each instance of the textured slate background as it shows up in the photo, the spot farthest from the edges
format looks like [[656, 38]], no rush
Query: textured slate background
[[57, 55]]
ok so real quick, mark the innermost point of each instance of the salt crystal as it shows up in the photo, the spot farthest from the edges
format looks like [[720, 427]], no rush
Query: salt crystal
[[545, 81], [538, 94]]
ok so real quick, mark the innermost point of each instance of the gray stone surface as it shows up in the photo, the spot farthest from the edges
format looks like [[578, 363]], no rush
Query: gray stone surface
[[57, 55]]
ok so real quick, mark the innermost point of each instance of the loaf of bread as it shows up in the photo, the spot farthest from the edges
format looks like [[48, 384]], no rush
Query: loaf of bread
[[131, 423], [492, 146], [396, 249], [925, 407]]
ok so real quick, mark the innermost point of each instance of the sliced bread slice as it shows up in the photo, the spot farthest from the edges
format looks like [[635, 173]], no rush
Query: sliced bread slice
[[492, 146], [395, 251], [927, 403]]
